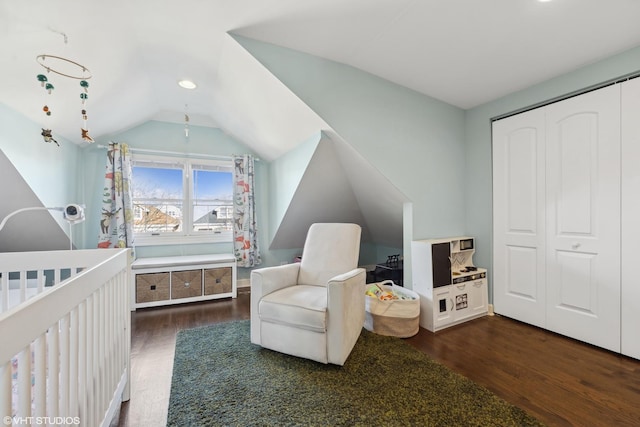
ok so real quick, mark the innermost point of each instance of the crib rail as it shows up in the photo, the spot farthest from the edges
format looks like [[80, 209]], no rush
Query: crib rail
[[26, 274], [64, 356]]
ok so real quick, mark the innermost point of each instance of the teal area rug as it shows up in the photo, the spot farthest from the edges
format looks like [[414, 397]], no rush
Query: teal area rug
[[221, 379]]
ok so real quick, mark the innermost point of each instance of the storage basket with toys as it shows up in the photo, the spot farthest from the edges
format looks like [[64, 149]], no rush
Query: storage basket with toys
[[391, 310]]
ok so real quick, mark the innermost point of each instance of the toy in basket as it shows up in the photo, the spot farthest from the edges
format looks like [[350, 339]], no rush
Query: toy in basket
[[391, 310]]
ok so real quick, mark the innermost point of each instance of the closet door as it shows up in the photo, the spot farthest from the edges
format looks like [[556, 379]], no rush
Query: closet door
[[630, 309], [518, 217], [583, 217]]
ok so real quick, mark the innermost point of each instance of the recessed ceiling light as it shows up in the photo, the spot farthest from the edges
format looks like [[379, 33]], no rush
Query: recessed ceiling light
[[187, 84]]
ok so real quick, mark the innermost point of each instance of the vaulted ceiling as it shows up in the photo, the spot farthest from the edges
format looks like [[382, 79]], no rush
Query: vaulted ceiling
[[464, 52]]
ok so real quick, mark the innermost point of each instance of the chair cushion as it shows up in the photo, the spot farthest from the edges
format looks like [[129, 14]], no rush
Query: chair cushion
[[300, 306], [330, 249]]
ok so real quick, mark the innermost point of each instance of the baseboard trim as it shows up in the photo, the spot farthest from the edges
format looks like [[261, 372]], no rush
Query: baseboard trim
[[243, 283]]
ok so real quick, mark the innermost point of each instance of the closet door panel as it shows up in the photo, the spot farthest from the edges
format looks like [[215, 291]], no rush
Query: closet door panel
[[576, 289], [519, 194], [576, 157], [630, 309], [583, 217], [522, 273]]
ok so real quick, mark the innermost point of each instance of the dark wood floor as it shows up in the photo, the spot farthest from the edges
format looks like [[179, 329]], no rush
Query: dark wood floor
[[560, 381]]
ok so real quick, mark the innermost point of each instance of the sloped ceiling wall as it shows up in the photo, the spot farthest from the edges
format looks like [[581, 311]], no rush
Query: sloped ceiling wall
[[285, 173], [416, 142], [26, 231], [340, 186], [380, 202]]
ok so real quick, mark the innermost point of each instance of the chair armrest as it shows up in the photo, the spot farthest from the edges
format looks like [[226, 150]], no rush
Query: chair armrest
[[348, 276], [345, 307], [263, 282], [270, 279], [347, 290]]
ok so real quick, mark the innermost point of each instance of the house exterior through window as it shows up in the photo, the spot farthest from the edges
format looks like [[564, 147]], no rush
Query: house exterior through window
[[182, 200]]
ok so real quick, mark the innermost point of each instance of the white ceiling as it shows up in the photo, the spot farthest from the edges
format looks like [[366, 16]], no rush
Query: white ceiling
[[464, 52]]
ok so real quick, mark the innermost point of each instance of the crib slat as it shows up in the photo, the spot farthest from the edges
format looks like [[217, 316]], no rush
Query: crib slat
[[82, 361], [114, 368], [5, 388], [91, 337], [126, 331], [63, 398], [118, 327], [100, 380], [52, 363], [114, 355], [24, 382], [109, 344], [105, 346], [41, 280], [40, 376], [72, 409], [23, 286], [4, 292]]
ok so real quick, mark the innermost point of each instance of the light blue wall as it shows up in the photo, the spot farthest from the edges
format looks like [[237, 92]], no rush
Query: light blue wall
[[167, 137], [478, 137], [50, 171], [417, 142], [285, 174]]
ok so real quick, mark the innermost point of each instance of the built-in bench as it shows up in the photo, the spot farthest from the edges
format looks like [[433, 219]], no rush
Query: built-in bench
[[181, 279]]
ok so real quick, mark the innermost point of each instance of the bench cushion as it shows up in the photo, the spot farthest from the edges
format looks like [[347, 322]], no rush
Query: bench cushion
[[176, 261]]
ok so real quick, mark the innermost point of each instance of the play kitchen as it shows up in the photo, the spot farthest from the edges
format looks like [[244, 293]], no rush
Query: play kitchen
[[452, 289]]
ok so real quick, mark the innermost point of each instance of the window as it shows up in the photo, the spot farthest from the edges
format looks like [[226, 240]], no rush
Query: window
[[182, 200]]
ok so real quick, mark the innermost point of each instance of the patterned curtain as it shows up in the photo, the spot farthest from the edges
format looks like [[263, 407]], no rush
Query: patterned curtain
[[245, 236], [116, 223]]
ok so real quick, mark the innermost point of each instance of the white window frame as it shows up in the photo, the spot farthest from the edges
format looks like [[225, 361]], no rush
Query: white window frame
[[187, 235]]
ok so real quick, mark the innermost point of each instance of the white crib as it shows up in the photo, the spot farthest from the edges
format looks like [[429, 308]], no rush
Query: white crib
[[65, 336]]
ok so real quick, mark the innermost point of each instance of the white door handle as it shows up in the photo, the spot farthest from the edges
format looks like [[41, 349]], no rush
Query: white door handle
[[575, 246]]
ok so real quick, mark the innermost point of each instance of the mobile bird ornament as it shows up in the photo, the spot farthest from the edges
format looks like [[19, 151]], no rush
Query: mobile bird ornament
[[46, 135]]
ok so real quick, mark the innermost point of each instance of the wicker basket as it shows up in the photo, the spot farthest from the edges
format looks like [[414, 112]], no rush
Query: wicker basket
[[152, 287], [218, 280], [397, 318]]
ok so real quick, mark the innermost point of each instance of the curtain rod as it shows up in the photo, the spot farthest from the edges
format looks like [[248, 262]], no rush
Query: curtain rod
[[175, 153]]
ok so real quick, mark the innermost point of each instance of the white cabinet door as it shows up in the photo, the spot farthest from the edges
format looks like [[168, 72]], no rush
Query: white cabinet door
[[630, 309], [479, 303], [469, 299], [583, 217], [518, 217], [442, 307]]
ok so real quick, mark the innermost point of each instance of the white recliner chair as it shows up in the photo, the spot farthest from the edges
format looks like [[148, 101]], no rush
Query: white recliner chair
[[313, 309]]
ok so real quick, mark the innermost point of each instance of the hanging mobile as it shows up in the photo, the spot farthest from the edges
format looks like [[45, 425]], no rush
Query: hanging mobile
[[186, 122], [44, 82], [54, 64], [46, 133], [84, 96]]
